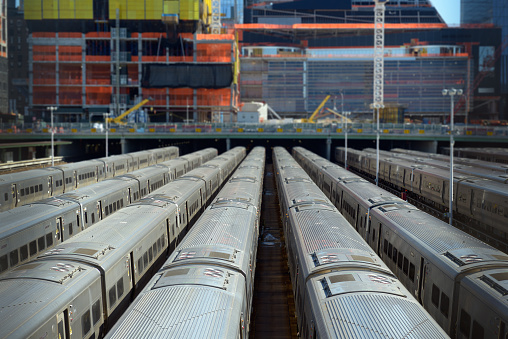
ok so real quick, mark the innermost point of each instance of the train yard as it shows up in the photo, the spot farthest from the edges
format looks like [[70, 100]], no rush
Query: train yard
[[207, 250]]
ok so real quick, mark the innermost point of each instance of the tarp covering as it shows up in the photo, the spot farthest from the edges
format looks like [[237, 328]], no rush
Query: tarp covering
[[187, 75]]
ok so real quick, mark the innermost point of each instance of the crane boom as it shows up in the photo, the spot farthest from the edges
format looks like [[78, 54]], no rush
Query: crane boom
[[311, 118]]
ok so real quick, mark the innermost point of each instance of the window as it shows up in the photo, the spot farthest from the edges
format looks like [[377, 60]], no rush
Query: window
[[22, 192], [14, 258], [33, 248], [445, 305], [140, 265], [70, 229], [23, 252], [107, 210], [86, 324], [49, 239], [40, 187], [477, 331], [3, 263], [158, 245], [406, 266], [112, 296], [154, 248], [394, 257], [435, 295], [42, 244], [96, 311], [27, 191], [32, 190], [464, 323], [412, 272], [93, 218], [150, 254], [36, 189], [400, 260], [145, 259], [119, 287], [6, 196]]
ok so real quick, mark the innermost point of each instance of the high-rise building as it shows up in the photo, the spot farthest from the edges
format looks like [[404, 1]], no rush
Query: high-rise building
[[294, 53]]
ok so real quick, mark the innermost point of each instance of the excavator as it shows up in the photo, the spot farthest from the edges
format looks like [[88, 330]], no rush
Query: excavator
[[311, 118], [119, 119]]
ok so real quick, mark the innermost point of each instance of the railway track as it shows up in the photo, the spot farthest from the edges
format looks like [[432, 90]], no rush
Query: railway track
[[273, 303]]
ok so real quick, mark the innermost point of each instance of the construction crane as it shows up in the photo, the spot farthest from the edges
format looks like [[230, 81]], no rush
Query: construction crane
[[311, 118], [119, 119]]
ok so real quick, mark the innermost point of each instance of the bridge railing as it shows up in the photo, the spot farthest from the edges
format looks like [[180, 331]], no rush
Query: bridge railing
[[266, 128]]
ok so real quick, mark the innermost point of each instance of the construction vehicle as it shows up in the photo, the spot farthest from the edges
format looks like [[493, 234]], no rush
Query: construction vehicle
[[311, 118], [119, 119]]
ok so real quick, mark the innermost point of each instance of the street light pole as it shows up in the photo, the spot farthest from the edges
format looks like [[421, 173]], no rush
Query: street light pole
[[52, 109], [451, 92], [106, 116], [345, 153]]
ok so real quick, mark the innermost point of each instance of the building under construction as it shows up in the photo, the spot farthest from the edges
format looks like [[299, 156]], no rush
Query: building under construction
[[89, 57], [94, 57]]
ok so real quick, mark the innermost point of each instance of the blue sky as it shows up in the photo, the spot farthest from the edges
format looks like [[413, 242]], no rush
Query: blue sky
[[449, 10]]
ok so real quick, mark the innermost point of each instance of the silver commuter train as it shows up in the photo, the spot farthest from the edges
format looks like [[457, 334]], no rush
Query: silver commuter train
[[460, 280], [83, 285], [342, 288], [479, 204], [205, 288], [21, 188], [31, 229]]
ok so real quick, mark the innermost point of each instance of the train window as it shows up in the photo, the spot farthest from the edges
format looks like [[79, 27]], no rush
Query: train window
[[118, 205], [145, 259], [106, 210], [112, 296], [110, 208], [119, 287], [412, 272], [33, 248], [162, 241], [464, 323], [57, 183], [400, 259], [22, 192], [6, 196], [150, 254], [40, 187], [27, 191], [435, 295], [93, 218], [406, 266], [41, 243], [36, 189], [23, 252], [154, 248], [445, 305], [32, 190], [49, 239], [70, 228], [86, 324], [394, 257], [121, 203], [478, 332], [61, 333], [159, 245], [14, 257], [3, 263], [96, 311], [389, 250], [86, 218], [77, 221], [140, 265], [385, 248]]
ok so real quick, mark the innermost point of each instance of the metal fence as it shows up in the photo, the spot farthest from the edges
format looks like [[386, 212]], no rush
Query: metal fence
[[266, 128]]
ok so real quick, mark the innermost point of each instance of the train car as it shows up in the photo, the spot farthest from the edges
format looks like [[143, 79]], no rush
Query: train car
[[342, 288], [36, 227], [479, 205], [438, 263], [112, 260], [22, 188], [498, 155], [205, 288], [503, 168]]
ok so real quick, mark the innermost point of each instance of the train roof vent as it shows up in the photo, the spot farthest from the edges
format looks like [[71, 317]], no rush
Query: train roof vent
[[213, 272], [86, 251], [26, 267], [219, 255], [463, 259], [362, 258], [500, 289], [388, 208], [243, 179], [289, 180], [341, 278], [181, 271]]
